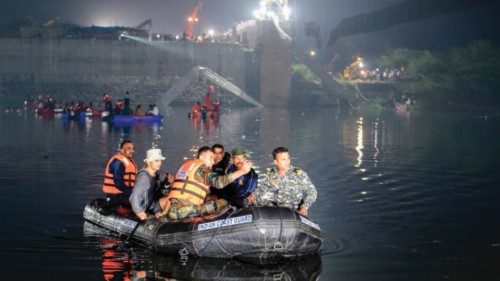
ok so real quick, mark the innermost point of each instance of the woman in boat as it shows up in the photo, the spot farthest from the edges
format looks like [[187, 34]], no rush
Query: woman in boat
[[139, 111]]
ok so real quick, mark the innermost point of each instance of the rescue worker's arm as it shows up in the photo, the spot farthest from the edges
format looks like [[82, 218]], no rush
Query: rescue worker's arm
[[118, 170], [220, 181], [310, 193]]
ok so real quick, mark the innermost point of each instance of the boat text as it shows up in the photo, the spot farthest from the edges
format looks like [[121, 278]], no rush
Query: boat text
[[226, 222]]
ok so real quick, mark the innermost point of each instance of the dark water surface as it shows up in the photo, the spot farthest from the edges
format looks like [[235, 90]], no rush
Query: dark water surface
[[400, 197]]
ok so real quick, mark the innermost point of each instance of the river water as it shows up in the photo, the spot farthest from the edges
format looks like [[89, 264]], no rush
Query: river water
[[400, 197]]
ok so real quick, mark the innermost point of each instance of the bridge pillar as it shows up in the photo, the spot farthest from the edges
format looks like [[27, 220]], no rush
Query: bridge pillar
[[275, 67]]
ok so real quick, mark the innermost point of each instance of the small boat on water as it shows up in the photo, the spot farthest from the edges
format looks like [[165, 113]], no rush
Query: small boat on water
[[134, 118], [254, 234], [49, 111]]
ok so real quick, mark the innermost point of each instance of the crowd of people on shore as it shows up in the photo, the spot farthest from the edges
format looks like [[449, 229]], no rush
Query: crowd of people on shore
[[358, 70], [207, 184]]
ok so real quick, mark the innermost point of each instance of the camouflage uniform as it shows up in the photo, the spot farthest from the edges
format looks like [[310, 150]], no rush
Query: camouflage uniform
[[180, 208], [287, 191]]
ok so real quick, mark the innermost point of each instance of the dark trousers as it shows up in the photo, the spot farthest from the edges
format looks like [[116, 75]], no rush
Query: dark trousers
[[117, 200]]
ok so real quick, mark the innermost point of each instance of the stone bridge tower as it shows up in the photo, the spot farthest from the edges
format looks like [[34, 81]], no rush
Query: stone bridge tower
[[275, 66]]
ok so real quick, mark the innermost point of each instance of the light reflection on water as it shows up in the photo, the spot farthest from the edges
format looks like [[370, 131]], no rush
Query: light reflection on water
[[414, 197]]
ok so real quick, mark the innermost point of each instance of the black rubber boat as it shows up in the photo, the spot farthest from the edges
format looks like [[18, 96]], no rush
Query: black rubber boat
[[255, 234]]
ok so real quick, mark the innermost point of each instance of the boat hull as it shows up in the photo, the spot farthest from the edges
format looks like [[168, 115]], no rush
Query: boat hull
[[138, 119], [255, 234]]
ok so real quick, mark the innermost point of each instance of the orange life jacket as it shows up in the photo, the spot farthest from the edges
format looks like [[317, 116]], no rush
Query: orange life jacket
[[186, 187], [128, 177]]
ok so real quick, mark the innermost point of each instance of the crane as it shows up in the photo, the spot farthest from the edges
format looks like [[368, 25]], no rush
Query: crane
[[192, 19]]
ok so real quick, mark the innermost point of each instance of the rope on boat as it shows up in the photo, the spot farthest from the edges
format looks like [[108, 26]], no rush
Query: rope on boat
[[235, 211]]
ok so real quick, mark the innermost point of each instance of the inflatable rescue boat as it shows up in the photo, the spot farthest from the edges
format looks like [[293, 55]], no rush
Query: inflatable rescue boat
[[255, 234]]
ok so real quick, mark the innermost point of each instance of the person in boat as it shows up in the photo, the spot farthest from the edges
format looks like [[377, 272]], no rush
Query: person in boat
[[119, 175], [238, 192], [216, 106], [139, 111], [221, 162], [146, 198], [118, 108], [191, 185], [108, 103], [153, 110], [285, 185], [126, 107], [221, 159], [207, 102], [196, 109]]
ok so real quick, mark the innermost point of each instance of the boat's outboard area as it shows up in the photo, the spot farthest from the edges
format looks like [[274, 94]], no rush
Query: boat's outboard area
[[255, 234]]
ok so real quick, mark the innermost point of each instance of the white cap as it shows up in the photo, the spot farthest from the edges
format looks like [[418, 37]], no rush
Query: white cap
[[154, 154]]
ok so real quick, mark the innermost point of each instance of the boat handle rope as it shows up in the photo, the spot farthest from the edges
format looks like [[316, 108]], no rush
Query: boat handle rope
[[278, 245], [277, 276]]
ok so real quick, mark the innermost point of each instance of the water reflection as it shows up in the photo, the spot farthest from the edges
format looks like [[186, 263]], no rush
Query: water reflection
[[394, 215], [120, 261], [120, 265], [307, 268], [207, 124], [359, 146], [275, 129]]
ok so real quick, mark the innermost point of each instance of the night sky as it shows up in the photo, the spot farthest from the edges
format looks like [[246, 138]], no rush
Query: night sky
[[169, 16]]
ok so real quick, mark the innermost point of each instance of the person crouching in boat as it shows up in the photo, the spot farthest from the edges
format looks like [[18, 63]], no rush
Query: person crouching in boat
[[192, 181], [119, 175], [238, 192], [146, 197]]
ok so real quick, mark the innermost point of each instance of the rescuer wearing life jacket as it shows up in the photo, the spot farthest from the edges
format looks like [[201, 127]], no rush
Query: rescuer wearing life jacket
[[119, 175], [191, 185]]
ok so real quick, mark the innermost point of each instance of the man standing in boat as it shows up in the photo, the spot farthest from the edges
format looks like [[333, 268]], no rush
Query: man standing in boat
[[192, 182], [119, 175], [285, 185]]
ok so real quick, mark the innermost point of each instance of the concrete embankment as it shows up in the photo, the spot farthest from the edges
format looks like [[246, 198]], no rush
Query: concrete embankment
[[85, 69]]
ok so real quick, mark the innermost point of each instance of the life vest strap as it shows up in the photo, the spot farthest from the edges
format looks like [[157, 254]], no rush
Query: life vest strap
[[182, 190], [192, 183]]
